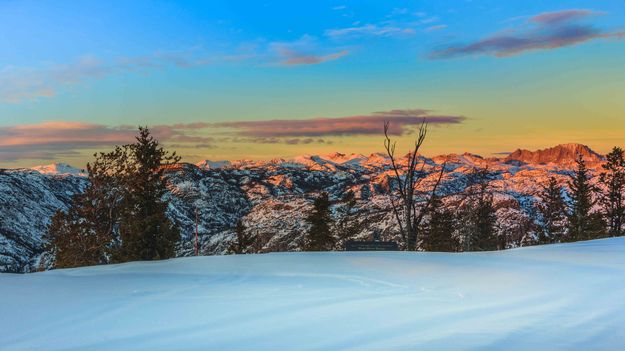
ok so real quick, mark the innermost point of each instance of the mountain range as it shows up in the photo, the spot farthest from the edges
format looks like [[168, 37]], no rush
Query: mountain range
[[272, 197]]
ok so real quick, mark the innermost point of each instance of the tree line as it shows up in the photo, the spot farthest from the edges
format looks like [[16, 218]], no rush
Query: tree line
[[436, 220], [121, 215]]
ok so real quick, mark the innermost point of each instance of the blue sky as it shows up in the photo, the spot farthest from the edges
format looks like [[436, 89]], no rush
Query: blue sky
[[512, 69]]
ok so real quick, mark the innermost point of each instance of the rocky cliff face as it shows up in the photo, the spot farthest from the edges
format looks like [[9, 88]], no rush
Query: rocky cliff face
[[272, 197], [28, 199], [562, 155]]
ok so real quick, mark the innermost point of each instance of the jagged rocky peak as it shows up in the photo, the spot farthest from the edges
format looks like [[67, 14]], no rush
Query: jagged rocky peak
[[208, 164], [463, 159], [562, 154], [59, 169]]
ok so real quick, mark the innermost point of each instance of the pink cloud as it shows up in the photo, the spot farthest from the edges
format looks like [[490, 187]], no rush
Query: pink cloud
[[550, 30], [401, 121], [48, 140]]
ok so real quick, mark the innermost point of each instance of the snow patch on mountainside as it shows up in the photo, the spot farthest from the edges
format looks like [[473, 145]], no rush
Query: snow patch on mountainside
[[60, 169]]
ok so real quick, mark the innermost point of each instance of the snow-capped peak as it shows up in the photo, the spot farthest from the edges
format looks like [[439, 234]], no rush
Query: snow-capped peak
[[59, 169], [208, 164]]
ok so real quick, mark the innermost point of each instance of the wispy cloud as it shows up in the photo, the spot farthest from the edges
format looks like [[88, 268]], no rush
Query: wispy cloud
[[22, 83], [19, 84], [544, 31], [435, 28], [401, 122], [378, 30], [50, 140], [304, 51], [57, 139], [293, 58]]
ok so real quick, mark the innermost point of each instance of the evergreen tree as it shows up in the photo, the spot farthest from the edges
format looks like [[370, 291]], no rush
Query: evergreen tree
[[612, 199], [71, 238], [319, 236], [243, 239], [552, 210], [121, 214], [84, 234], [146, 233], [347, 225], [485, 238], [478, 215], [583, 223], [439, 230]]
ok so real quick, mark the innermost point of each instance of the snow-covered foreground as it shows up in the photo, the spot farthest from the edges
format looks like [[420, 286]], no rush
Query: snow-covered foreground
[[559, 297]]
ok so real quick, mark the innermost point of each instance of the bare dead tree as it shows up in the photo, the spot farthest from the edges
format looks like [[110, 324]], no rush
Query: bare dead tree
[[409, 204]]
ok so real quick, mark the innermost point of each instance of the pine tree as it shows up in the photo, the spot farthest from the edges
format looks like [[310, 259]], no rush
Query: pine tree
[[439, 230], [347, 225], [485, 238], [71, 238], [121, 215], [243, 240], [552, 210], [613, 199], [583, 223], [84, 234], [478, 215], [146, 233], [320, 236]]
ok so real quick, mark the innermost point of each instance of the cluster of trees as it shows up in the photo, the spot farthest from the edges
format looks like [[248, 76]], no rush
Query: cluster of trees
[[432, 221], [121, 215], [467, 221], [585, 211], [330, 224]]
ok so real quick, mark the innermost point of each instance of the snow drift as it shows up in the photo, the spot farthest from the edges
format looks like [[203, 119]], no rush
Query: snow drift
[[558, 297]]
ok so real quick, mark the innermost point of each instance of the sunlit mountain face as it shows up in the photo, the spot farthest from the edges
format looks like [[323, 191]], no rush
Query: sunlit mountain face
[[272, 197], [232, 80]]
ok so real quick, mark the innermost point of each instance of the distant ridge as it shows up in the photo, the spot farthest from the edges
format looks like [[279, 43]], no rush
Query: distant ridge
[[564, 154], [59, 169]]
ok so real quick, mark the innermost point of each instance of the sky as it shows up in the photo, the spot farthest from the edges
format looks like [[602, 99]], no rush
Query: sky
[[266, 79]]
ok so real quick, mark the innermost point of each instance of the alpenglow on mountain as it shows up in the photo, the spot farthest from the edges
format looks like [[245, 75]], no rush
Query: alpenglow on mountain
[[272, 197]]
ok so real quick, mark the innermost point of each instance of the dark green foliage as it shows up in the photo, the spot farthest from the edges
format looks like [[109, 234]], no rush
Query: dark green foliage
[[145, 231], [612, 199], [478, 219], [243, 240], [84, 235], [438, 234], [552, 210], [347, 225], [121, 215], [72, 237], [320, 236], [485, 238], [583, 223]]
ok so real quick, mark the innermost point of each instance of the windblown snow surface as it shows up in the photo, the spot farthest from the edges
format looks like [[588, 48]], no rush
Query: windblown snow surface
[[558, 297]]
